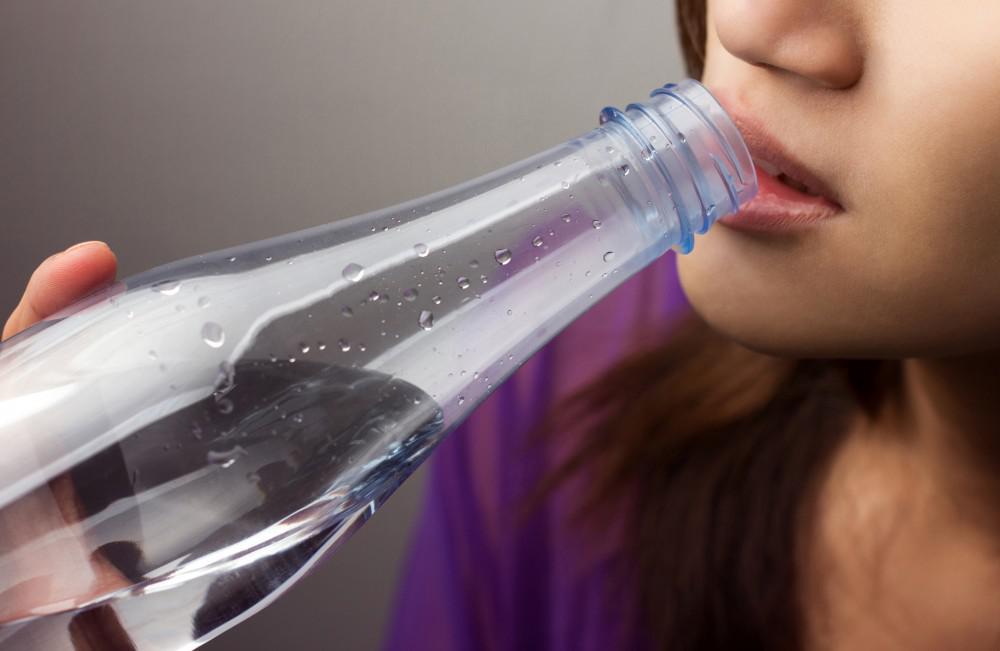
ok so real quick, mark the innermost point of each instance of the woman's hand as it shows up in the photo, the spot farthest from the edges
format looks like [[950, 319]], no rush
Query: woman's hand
[[57, 282], [60, 280]]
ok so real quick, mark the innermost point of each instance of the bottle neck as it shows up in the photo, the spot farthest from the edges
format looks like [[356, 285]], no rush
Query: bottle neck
[[692, 155], [515, 256]]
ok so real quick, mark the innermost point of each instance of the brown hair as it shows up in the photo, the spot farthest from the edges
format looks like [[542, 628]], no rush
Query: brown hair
[[716, 452]]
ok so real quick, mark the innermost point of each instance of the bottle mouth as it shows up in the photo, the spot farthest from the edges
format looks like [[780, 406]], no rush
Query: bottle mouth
[[697, 149], [703, 104]]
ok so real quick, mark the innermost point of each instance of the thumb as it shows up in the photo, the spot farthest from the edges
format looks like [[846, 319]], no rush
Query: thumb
[[60, 280]]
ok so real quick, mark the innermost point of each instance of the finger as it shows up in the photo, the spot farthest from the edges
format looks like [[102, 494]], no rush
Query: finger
[[60, 280]]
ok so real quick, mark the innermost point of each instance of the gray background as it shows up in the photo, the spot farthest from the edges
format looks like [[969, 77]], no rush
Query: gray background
[[177, 127]]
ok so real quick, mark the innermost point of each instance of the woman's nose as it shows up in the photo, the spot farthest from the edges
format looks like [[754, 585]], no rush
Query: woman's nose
[[818, 40]]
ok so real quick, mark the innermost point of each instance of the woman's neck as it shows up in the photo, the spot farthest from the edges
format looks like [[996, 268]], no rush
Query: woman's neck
[[953, 398], [949, 409]]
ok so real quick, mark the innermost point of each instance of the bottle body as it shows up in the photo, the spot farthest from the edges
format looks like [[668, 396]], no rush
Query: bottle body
[[198, 435]]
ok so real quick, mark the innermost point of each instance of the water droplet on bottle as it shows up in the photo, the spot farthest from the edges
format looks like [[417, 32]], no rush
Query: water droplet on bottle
[[298, 418], [483, 279], [353, 272], [537, 241], [232, 259], [625, 169], [557, 163], [320, 346], [426, 320], [436, 300], [213, 334], [610, 150], [474, 264], [410, 294], [421, 249], [362, 347], [348, 312], [566, 218], [374, 296], [291, 360], [587, 273], [167, 287], [503, 256], [273, 358], [304, 348], [463, 282], [565, 185], [345, 346], [647, 153], [224, 405], [681, 136], [268, 259], [596, 224], [609, 256], [510, 312], [461, 400], [204, 302], [152, 354]]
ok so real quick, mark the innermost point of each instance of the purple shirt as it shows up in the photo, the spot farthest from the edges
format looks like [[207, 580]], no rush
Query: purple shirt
[[473, 581]]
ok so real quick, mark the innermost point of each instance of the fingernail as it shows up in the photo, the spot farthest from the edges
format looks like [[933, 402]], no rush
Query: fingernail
[[83, 244]]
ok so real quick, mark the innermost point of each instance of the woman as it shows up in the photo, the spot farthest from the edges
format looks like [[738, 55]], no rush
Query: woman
[[804, 455], [809, 460]]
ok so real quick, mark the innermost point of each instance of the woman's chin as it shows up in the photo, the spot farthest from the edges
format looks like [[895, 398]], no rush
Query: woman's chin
[[756, 319]]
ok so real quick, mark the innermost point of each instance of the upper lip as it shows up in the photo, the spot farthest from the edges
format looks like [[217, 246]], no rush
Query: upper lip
[[765, 147]]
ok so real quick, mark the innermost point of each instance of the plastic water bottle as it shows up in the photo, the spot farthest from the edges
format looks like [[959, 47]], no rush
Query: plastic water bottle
[[179, 448]]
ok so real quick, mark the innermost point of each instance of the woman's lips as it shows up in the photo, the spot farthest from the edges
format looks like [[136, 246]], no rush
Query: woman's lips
[[779, 207]]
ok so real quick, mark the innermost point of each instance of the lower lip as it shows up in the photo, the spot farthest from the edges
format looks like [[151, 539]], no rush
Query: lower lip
[[780, 208]]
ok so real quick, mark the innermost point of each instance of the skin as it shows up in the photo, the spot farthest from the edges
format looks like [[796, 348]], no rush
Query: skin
[[894, 103], [58, 281]]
